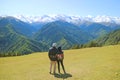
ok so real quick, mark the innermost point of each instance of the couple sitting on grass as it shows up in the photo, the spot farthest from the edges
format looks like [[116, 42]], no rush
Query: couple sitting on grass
[[56, 56]]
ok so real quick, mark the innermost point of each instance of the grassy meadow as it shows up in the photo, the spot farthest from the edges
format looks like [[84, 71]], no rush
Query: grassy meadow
[[99, 63]]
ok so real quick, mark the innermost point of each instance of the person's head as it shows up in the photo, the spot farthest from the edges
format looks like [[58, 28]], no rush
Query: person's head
[[59, 48], [54, 45]]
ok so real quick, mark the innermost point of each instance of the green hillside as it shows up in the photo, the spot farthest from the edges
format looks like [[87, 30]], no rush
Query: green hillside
[[101, 63], [96, 29], [112, 38], [13, 44], [63, 33], [20, 26]]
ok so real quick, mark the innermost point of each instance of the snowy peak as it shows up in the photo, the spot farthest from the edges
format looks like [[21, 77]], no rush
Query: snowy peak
[[71, 19]]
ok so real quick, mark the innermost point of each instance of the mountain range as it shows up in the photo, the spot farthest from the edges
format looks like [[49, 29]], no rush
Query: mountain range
[[110, 39], [64, 33], [23, 35], [15, 41], [20, 26], [71, 19]]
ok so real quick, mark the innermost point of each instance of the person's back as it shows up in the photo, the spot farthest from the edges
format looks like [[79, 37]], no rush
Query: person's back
[[52, 56], [52, 53], [60, 57]]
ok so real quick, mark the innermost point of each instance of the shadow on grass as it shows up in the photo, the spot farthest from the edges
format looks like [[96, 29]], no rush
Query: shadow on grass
[[64, 76]]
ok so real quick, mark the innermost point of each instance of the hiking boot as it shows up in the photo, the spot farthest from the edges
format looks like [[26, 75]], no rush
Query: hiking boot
[[50, 72], [65, 73], [59, 72], [54, 73]]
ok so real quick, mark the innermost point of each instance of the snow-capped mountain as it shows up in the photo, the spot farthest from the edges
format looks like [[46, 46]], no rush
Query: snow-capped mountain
[[60, 28], [71, 19]]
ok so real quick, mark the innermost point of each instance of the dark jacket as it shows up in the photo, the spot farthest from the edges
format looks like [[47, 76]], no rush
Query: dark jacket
[[52, 53]]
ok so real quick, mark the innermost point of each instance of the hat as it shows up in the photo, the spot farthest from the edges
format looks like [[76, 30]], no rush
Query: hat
[[54, 45]]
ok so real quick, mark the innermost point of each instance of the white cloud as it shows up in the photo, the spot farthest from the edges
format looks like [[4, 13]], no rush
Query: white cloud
[[73, 19]]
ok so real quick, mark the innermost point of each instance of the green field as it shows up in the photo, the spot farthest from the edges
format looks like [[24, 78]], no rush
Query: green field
[[100, 63]]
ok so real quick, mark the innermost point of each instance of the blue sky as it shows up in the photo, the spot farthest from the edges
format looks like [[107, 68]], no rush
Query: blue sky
[[66, 7]]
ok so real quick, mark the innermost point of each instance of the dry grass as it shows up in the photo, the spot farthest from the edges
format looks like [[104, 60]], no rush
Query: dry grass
[[102, 63]]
